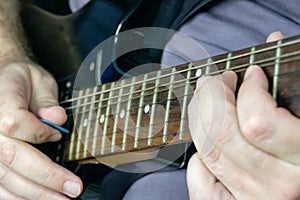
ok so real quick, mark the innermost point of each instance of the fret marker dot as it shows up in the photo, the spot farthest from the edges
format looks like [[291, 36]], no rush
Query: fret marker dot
[[85, 122], [147, 108], [122, 114], [92, 66], [102, 118], [198, 72], [68, 84]]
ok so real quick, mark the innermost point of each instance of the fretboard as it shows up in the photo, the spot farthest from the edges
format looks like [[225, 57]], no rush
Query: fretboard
[[150, 110]]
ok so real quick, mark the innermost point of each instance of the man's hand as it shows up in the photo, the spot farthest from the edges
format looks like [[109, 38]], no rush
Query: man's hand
[[28, 93], [248, 148], [27, 173]]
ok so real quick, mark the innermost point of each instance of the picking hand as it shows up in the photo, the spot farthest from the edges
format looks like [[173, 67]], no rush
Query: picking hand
[[28, 93]]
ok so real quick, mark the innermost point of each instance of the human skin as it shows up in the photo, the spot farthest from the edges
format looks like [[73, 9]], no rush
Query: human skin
[[255, 154], [27, 93]]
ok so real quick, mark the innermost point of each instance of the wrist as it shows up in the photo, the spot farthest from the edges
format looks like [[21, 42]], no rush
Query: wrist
[[7, 60]]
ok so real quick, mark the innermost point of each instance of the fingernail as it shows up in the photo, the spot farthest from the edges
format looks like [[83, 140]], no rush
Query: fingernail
[[249, 71], [72, 189]]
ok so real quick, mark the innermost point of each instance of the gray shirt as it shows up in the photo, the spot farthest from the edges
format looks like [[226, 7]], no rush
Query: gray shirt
[[236, 24]]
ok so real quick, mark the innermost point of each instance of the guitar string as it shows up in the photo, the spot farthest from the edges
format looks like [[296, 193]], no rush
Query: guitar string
[[204, 65], [199, 67], [192, 80], [139, 139], [145, 138], [126, 101], [154, 124], [149, 88]]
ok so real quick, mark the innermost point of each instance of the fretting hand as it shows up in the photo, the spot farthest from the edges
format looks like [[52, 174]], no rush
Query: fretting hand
[[255, 154]]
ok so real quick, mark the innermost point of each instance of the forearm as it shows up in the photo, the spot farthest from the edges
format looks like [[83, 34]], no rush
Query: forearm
[[12, 42]]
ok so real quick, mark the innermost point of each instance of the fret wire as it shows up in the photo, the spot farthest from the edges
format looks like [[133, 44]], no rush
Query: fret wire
[[234, 68], [241, 70], [214, 62], [97, 120], [276, 70], [170, 92], [71, 147], [116, 118], [237, 67], [184, 107], [90, 116], [70, 155], [252, 56], [98, 64], [128, 114], [107, 117], [150, 133], [138, 121], [228, 62], [154, 136], [78, 146], [208, 66]]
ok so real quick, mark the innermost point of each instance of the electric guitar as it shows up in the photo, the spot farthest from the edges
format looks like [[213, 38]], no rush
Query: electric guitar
[[140, 118]]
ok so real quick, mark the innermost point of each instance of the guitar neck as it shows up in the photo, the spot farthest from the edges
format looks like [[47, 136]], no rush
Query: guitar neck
[[150, 110]]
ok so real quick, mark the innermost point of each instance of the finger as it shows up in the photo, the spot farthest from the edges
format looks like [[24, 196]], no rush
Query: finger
[[275, 36], [202, 184], [5, 194], [20, 186], [20, 157], [215, 100], [206, 112], [233, 157], [22, 124], [265, 125], [44, 99]]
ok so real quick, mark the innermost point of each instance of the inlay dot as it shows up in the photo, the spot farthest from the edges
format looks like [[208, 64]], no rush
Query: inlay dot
[[122, 114], [92, 66], [198, 72], [102, 118], [68, 84], [147, 108], [85, 122]]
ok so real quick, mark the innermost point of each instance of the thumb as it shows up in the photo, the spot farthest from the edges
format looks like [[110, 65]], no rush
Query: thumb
[[44, 99]]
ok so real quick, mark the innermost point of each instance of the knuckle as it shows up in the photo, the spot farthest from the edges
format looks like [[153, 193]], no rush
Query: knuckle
[[256, 127], [8, 123]]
